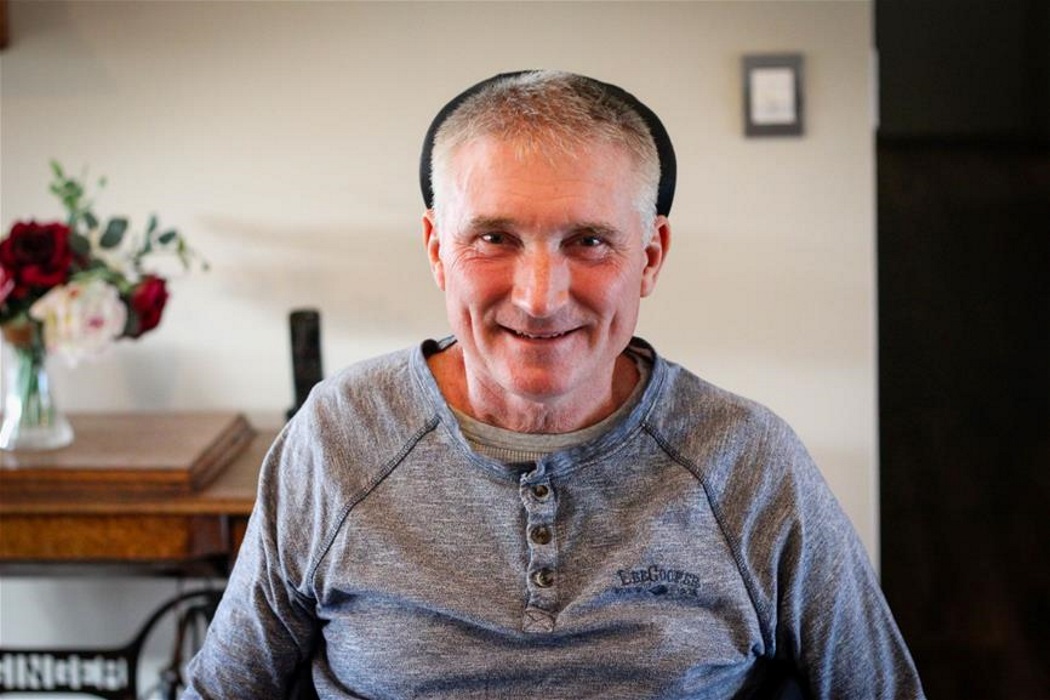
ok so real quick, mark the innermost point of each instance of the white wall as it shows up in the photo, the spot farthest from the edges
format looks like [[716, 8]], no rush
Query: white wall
[[283, 139]]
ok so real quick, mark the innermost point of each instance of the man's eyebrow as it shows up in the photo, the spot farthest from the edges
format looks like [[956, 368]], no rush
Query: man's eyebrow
[[490, 223], [596, 229]]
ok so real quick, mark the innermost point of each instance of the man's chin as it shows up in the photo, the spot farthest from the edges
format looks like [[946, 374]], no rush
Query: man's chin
[[546, 386]]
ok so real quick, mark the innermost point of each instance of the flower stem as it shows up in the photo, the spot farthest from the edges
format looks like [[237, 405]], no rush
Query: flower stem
[[31, 420], [35, 411]]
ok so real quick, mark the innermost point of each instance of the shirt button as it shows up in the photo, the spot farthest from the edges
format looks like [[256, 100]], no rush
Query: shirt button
[[543, 578], [541, 534], [541, 492]]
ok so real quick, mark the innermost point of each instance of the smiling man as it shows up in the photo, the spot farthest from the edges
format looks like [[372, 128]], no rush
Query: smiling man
[[543, 264], [541, 505]]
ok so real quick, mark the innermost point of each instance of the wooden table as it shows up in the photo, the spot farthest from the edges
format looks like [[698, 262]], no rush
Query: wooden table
[[153, 494], [128, 529]]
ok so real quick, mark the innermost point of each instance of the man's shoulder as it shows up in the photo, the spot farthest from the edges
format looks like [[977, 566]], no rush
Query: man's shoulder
[[689, 402], [720, 435], [377, 371], [748, 457], [369, 383], [379, 403]]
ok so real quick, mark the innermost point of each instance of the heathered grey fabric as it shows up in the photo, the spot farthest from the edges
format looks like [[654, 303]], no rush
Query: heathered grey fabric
[[691, 544]]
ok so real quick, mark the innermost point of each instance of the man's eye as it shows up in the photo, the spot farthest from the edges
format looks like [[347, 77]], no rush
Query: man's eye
[[494, 238], [589, 241]]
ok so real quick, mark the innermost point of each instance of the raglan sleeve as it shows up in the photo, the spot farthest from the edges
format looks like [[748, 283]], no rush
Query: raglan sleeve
[[825, 611], [265, 626]]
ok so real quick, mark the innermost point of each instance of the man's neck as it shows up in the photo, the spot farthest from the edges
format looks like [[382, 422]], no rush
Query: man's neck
[[524, 415]]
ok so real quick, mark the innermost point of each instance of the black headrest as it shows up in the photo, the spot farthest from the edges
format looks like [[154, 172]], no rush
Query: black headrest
[[664, 150]]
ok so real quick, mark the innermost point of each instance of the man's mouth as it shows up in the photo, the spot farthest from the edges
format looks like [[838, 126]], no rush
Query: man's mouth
[[538, 336]]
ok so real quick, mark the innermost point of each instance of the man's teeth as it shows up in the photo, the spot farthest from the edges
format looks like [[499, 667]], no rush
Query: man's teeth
[[544, 336]]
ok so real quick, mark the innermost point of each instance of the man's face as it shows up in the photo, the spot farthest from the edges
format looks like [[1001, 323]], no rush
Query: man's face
[[543, 264]]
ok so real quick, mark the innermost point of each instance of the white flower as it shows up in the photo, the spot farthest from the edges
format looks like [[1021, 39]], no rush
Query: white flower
[[81, 318]]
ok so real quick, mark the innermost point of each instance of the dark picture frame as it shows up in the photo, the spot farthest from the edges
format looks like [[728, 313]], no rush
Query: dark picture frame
[[773, 94]]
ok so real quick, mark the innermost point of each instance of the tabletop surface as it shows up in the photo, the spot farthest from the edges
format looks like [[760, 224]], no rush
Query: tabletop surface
[[129, 455], [41, 532]]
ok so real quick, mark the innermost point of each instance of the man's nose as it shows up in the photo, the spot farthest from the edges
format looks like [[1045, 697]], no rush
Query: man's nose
[[541, 283]]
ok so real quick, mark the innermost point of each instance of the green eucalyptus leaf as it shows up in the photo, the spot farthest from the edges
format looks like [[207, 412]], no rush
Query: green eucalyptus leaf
[[56, 168], [152, 224], [79, 244], [167, 237], [114, 233], [95, 270], [90, 220]]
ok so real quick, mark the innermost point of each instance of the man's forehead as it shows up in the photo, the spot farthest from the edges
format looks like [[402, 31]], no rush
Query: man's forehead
[[492, 152], [490, 186]]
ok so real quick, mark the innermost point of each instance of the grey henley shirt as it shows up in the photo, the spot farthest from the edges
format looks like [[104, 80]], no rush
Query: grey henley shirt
[[676, 555]]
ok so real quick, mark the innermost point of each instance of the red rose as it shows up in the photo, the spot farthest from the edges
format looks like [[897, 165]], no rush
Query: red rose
[[35, 255], [147, 301], [7, 285]]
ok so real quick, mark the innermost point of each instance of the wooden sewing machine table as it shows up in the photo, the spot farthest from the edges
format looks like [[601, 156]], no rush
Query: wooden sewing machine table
[[154, 494], [135, 493]]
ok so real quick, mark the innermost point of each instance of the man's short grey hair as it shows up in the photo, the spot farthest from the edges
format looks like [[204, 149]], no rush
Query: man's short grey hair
[[553, 113]]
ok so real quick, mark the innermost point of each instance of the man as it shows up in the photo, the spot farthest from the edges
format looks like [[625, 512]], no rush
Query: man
[[542, 506]]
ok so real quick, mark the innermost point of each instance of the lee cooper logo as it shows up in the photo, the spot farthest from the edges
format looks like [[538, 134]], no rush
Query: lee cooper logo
[[656, 580]]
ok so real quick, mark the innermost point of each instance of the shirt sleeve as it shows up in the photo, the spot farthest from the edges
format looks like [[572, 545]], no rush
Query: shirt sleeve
[[818, 594], [265, 625]]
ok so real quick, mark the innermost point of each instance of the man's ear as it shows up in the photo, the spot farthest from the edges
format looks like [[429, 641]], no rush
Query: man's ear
[[656, 253], [432, 240]]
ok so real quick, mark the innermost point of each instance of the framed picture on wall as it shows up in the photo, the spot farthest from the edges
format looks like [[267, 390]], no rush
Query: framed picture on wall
[[773, 98]]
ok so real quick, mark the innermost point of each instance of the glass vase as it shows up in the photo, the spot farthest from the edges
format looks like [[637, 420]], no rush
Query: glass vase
[[31, 420]]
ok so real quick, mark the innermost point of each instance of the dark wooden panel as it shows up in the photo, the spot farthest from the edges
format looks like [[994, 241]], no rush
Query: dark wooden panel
[[964, 277]]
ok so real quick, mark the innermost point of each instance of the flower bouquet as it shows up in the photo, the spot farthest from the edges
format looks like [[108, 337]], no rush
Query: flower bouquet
[[72, 289]]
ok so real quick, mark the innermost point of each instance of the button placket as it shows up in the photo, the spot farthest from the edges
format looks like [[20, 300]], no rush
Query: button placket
[[540, 502]]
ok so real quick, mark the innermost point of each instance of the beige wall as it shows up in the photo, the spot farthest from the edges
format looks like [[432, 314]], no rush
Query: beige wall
[[283, 137]]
